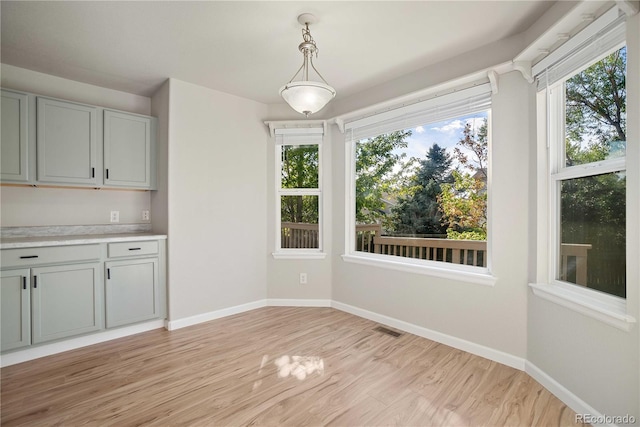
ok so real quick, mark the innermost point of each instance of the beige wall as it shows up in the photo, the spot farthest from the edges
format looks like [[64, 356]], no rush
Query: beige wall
[[599, 363], [27, 206], [493, 317], [284, 274], [216, 200]]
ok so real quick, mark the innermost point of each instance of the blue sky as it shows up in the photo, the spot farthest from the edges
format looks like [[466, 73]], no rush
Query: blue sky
[[446, 134]]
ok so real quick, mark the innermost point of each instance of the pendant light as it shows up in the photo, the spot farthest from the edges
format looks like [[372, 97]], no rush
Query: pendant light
[[304, 95]]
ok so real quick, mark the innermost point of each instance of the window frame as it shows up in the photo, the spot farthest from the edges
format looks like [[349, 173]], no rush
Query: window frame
[[551, 116], [446, 270], [298, 133]]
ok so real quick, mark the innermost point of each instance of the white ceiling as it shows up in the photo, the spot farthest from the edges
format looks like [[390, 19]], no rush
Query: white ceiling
[[248, 48]]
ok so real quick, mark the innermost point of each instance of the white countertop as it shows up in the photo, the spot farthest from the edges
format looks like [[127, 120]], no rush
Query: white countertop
[[41, 241]]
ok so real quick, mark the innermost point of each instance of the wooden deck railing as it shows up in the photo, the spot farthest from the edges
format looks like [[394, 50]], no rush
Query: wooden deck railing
[[573, 263], [369, 238], [299, 235]]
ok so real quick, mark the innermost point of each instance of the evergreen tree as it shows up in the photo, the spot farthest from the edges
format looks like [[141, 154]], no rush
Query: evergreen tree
[[418, 213]]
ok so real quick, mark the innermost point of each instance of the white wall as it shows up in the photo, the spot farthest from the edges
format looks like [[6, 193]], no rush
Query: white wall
[[599, 363], [27, 206], [159, 198], [217, 189], [493, 317]]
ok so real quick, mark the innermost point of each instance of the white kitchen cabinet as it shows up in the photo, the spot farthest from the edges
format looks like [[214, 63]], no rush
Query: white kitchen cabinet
[[132, 292], [47, 141], [59, 291], [51, 293], [14, 142], [66, 301], [127, 150], [132, 289], [67, 142], [15, 310]]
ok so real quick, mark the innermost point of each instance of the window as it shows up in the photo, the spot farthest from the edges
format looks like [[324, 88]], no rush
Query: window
[[298, 191], [418, 185], [587, 175], [582, 100]]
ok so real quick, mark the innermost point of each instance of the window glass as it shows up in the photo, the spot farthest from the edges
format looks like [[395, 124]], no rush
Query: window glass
[[592, 232], [299, 226], [595, 111], [591, 203], [299, 166], [422, 192]]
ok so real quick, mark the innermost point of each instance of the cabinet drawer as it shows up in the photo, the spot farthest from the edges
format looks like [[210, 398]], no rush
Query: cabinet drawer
[[132, 248], [48, 255]]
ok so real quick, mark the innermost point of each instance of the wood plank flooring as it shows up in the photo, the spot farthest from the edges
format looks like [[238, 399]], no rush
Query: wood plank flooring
[[275, 366]]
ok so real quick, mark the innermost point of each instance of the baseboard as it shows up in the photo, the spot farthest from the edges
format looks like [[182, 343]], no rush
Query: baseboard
[[281, 302], [563, 393], [212, 315], [461, 344], [36, 352]]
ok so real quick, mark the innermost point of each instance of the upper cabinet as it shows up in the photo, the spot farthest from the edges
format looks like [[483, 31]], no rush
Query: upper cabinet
[[48, 141], [15, 142], [67, 142], [127, 150]]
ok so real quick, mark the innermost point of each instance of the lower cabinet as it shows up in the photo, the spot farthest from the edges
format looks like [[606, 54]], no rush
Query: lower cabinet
[[48, 303], [66, 301], [56, 292], [15, 310], [132, 291]]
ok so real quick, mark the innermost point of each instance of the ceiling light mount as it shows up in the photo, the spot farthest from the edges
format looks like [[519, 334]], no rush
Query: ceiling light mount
[[307, 96]]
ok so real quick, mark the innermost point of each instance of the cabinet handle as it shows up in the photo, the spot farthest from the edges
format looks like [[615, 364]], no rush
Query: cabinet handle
[[93, 172], [24, 282], [107, 172], [35, 282], [108, 273], [134, 249], [29, 256]]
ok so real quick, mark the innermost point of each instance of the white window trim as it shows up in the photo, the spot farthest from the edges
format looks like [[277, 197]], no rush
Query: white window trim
[[609, 309], [298, 128], [462, 273]]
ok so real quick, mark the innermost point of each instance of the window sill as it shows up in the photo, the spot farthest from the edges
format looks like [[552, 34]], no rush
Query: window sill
[[611, 313], [477, 275], [299, 255]]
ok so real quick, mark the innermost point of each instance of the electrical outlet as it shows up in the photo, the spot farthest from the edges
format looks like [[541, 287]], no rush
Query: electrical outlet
[[303, 278], [145, 215], [115, 216]]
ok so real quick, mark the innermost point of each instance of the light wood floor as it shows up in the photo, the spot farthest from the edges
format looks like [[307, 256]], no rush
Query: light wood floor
[[274, 366]]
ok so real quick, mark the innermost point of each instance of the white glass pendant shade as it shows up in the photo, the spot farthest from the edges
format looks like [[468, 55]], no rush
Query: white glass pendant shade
[[307, 97]]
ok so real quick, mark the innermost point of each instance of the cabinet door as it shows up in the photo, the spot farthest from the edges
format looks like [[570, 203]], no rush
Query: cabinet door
[[132, 292], [15, 314], [127, 150], [14, 142], [66, 142], [66, 300]]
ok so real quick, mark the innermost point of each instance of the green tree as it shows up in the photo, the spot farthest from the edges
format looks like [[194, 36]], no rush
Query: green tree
[[464, 207], [376, 177], [596, 110], [464, 202], [477, 144], [417, 212]]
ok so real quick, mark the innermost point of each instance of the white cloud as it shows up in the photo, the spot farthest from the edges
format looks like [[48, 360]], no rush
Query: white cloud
[[420, 129], [450, 127]]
